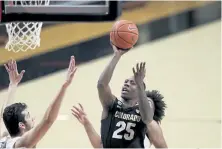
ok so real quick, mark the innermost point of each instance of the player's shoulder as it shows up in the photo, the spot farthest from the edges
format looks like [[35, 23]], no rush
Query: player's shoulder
[[116, 104], [116, 101], [3, 139], [119, 102]]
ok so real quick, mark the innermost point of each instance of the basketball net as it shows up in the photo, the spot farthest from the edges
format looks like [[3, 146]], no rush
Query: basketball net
[[23, 36]]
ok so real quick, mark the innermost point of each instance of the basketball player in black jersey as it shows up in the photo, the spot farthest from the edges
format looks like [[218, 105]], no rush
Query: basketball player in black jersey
[[125, 121], [93, 136]]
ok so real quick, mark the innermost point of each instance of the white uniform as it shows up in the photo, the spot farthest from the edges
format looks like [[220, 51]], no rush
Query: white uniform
[[147, 143], [8, 142]]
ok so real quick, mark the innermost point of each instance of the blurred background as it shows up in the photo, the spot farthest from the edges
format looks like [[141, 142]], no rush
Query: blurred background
[[180, 43]]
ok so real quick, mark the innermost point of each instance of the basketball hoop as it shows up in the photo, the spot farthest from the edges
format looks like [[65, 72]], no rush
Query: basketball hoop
[[23, 36]]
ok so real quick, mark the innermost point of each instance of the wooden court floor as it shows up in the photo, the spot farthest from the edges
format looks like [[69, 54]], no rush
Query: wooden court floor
[[185, 68]]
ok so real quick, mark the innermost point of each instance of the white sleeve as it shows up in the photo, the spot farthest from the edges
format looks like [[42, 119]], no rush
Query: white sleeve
[[3, 142], [10, 142]]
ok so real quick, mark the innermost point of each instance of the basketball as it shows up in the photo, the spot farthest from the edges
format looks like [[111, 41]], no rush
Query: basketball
[[124, 34]]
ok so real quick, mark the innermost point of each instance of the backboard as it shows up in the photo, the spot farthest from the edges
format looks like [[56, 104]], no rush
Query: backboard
[[59, 11]]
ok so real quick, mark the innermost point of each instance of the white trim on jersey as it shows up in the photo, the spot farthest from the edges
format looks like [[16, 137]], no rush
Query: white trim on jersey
[[147, 143]]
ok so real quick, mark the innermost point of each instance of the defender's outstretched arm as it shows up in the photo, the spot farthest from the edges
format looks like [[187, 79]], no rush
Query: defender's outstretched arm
[[33, 136], [81, 116], [14, 78]]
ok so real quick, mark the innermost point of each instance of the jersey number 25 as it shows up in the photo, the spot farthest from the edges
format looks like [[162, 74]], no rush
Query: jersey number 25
[[124, 126]]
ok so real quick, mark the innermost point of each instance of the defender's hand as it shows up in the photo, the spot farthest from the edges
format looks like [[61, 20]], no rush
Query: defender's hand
[[139, 73], [80, 115], [71, 71], [12, 70]]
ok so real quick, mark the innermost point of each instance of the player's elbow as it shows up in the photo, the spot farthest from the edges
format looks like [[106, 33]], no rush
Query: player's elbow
[[48, 119], [147, 119], [49, 122], [96, 145], [51, 114], [160, 145], [100, 85]]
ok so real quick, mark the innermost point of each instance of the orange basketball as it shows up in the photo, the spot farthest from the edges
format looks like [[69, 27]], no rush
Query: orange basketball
[[124, 34]]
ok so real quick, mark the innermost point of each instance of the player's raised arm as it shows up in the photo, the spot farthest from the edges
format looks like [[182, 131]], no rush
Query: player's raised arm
[[32, 137], [14, 78], [156, 135], [81, 116], [146, 105], [105, 94], [154, 130]]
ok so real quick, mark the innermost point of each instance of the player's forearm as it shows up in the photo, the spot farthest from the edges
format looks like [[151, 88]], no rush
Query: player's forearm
[[10, 99], [158, 142], [53, 110], [93, 136], [155, 135], [11, 94], [145, 105], [107, 74]]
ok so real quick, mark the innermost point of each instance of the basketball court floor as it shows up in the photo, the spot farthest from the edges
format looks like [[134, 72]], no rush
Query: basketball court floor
[[184, 67]]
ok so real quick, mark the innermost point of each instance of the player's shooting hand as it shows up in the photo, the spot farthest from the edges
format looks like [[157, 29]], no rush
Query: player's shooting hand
[[80, 115], [71, 71], [139, 73], [12, 70], [117, 51]]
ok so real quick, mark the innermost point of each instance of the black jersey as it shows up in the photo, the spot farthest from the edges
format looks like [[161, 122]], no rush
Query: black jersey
[[123, 128]]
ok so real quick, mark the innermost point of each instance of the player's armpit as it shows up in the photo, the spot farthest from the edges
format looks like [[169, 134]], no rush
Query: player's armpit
[[156, 135]]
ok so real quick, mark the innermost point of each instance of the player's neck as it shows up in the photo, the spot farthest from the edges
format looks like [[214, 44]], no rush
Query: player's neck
[[129, 103], [21, 133]]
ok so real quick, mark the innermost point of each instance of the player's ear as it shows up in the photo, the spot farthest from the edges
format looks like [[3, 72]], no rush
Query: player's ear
[[21, 125]]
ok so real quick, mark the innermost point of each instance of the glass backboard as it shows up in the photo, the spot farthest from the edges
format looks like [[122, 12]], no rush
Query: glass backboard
[[59, 10]]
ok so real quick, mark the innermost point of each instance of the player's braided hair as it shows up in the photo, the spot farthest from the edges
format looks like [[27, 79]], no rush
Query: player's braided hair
[[159, 104]]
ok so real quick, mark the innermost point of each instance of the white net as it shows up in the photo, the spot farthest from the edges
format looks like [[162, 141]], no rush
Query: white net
[[23, 36]]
